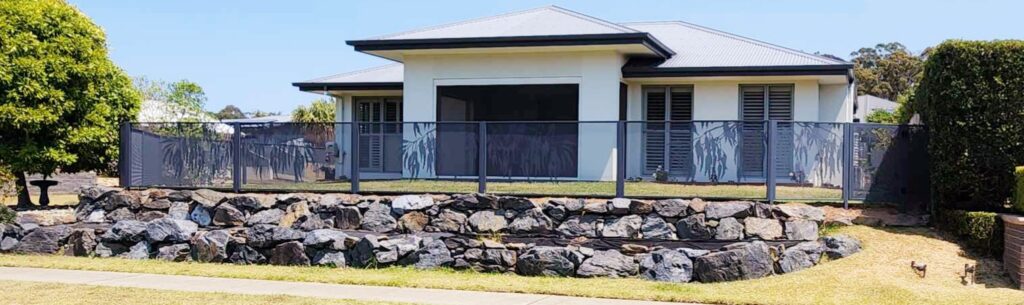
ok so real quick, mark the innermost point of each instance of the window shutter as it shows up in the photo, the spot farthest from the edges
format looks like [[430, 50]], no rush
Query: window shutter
[[654, 132], [780, 107], [752, 113], [680, 135]]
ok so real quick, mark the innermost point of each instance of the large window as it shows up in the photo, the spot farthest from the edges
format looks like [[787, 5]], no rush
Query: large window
[[380, 133], [759, 103], [668, 132]]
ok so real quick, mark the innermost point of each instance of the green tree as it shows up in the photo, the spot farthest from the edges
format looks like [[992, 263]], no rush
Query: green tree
[[319, 111], [63, 98], [230, 112], [187, 95], [882, 116], [888, 70]]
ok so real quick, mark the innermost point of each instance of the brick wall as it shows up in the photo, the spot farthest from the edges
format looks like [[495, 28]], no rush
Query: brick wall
[[1013, 255]]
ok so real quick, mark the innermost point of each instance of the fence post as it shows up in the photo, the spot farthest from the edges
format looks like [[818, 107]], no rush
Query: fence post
[[236, 158], [124, 162], [770, 160], [620, 156], [354, 155], [481, 157], [847, 164]]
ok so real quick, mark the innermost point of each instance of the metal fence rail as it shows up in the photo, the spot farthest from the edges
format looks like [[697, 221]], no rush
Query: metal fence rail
[[762, 160]]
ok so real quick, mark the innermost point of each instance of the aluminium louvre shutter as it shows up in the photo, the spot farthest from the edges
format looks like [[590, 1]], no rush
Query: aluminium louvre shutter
[[662, 138], [654, 132], [780, 107], [681, 134], [752, 114]]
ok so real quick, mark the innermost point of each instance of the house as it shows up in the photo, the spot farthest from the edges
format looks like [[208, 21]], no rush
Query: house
[[560, 67], [866, 104]]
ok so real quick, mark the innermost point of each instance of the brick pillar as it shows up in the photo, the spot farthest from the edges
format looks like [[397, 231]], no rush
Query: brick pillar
[[1013, 255]]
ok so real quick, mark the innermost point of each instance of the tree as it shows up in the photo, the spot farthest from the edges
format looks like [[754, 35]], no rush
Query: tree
[[230, 112], [187, 95], [63, 98], [261, 113], [319, 111], [882, 116], [888, 70]]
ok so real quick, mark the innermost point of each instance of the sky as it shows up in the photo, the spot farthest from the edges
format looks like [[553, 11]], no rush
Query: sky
[[247, 53]]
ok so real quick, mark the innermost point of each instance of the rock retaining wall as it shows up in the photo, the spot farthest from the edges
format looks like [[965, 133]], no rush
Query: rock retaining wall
[[665, 240]]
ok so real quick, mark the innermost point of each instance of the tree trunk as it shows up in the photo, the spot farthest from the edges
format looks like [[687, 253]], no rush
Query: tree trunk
[[24, 200]]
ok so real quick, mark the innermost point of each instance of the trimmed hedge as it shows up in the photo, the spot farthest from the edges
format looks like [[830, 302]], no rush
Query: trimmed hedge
[[971, 96], [1018, 190], [981, 231]]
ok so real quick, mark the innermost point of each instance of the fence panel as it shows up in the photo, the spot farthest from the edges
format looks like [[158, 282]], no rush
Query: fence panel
[[890, 165], [809, 161], [418, 157], [180, 155], [291, 156]]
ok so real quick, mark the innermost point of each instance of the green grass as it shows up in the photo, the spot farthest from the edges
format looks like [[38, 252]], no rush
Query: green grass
[[602, 188], [877, 275], [17, 292]]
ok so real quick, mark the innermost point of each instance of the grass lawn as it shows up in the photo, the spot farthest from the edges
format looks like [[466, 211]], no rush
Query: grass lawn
[[17, 292], [55, 200], [880, 274], [605, 188]]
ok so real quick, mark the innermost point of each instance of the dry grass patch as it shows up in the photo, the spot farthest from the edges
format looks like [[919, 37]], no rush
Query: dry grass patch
[[17, 292], [55, 200], [880, 274]]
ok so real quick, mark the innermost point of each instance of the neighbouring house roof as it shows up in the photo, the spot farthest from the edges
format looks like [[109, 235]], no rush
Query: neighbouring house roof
[[681, 49], [866, 104], [264, 119]]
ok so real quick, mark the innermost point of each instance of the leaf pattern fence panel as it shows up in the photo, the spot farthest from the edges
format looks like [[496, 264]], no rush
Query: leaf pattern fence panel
[[551, 158], [419, 157], [809, 161], [890, 165], [181, 155], [706, 159], [290, 156]]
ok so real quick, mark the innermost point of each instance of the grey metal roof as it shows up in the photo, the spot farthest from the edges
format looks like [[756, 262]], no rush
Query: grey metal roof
[[543, 21], [698, 46], [383, 74]]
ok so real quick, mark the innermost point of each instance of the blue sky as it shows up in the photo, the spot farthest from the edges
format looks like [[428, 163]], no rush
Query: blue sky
[[248, 53]]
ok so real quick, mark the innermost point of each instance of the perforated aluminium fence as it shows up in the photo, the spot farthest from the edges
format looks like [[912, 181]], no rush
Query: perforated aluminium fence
[[761, 160]]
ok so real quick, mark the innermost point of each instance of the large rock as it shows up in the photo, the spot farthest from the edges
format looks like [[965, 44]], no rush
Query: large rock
[[571, 205], [129, 231], [584, 225], [766, 229], [174, 253], [170, 230], [294, 213], [44, 240], [140, 250], [406, 203], [729, 229], [516, 203], [267, 217], [794, 211], [119, 215], [474, 202], [362, 254], [378, 219], [448, 221], [413, 222], [557, 212], [697, 206], [666, 265], [671, 207], [693, 227], [81, 242], [8, 244], [609, 263], [487, 221], [249, 203], [122, 200], [654, 227], [640, 207], [624, 227], [207, 198], [326, 239], [178, 210], [45, 218], [433, 254], [840, 246], [490, 260], [597, 207], [347, 218], [531, 221], [226, 215], [245, 255], [742, 261], [289, 254], [546, 261], [266, 236], [157, 204], [148, 216], [105, 249], [329, 258], [801, 230], [201, 216], [801, 256], [211, 246], [735, 209]]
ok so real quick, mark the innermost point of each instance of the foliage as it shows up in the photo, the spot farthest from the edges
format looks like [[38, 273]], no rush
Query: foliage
[[63, 97], [261, 113], [887, 70], [971, 97], [883, 116], [319, 111], [7, 190], [230, 112], [419, 153], [1018, 190], [982, 231], [711, 157]]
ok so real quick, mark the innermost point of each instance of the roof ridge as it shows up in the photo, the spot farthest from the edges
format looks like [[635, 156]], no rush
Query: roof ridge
[[319, 79], [743, 38], [555, 8]]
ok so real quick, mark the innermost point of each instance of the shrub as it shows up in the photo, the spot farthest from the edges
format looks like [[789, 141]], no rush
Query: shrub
[[981, 231], [7, 215], [971, 96], [1018, 190]]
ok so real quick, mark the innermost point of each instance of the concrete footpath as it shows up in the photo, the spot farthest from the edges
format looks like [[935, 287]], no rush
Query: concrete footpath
[[316, 290]]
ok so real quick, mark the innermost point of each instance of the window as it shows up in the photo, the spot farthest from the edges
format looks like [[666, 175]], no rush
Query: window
[[668, 110], [760, 103]]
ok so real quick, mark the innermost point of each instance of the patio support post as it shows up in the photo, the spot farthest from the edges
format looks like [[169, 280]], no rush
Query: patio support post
[[236, 158], [354, 144], [124, 161], [620, 162], [770, 160], [481, 157], [847, 164]]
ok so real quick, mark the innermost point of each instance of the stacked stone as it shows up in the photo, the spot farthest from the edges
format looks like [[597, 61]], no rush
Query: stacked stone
[[462, 231]]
